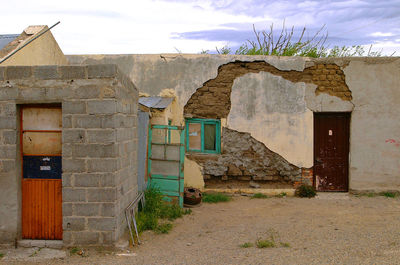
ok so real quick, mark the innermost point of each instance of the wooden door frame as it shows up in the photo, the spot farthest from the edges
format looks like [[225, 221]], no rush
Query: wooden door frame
[[346, 114], [20, 108]]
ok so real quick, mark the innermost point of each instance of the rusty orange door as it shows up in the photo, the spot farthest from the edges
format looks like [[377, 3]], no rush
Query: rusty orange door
[[331, 151], [41, 166]]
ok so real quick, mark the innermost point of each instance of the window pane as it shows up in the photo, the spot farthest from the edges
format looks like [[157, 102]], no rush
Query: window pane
[[42, 118], [41, 143], [195, 136], [209, 137]]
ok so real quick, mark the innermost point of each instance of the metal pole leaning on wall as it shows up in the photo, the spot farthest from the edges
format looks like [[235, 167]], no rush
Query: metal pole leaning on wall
[[130, 213]]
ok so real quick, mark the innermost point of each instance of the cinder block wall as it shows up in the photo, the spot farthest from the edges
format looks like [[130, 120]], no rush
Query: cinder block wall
[[99, 108]]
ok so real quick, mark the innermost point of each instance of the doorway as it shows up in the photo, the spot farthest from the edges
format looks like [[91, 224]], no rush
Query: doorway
[[41, 147], [331, 151]]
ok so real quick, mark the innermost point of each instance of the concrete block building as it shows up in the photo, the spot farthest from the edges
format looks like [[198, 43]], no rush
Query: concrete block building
[[68, 156]]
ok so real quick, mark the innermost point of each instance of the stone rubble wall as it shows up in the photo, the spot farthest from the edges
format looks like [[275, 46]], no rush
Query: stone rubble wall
[[245, 158]]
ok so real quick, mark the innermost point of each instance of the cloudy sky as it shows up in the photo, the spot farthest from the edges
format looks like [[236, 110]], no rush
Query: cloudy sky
[[190, 26]]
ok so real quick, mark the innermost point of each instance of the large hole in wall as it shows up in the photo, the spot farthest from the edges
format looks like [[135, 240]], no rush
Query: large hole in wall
[[244, 158]]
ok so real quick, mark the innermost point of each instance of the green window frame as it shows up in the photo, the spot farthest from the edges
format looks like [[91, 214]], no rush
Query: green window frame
[[203, 123]]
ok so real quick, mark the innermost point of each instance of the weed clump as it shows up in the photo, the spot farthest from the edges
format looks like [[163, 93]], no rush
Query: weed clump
[[371, 194], [154, 209], [1, 255], [163, 228], [305, 191], [73, 250], [265, 243], [215, 197], [273, 241], [281, 195], [389, 194], [285, 244], [246, 245], [259, 196]]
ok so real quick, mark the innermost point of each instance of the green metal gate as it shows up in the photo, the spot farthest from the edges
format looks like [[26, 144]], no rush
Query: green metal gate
[[166, 161]]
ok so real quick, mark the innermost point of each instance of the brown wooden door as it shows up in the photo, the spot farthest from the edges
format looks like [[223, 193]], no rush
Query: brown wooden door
[[331, 151], [41, 166]]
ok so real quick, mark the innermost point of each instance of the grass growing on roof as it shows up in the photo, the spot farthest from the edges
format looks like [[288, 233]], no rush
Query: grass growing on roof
[[215, 197]]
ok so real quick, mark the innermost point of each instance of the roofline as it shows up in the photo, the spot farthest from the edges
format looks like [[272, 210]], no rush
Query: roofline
[[25, 44]]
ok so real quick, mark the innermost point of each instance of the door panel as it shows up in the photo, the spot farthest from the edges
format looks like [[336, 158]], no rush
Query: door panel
[[41, 172], [165, 163], [38, 143], [39, 118], [331, 151], [41, 211]]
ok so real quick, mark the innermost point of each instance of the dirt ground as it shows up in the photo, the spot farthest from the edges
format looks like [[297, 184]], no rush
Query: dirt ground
[[330, 229]]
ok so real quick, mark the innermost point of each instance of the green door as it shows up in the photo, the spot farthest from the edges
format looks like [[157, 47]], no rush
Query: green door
[[166, 161]]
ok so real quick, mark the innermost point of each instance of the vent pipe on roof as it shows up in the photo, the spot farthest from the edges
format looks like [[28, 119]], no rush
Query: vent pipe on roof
[[14, 52]]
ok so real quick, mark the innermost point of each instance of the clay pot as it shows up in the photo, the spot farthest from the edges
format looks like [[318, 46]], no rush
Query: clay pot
[[192, 196]]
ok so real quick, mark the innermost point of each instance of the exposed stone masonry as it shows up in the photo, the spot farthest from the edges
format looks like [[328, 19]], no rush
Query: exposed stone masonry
[[212, 100], [245, 158]]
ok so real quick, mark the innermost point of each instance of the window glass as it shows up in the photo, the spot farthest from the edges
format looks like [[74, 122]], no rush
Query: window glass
[[195, 136], [209, 137]]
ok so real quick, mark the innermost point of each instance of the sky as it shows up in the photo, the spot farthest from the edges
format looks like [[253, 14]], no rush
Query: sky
[[193, 26]]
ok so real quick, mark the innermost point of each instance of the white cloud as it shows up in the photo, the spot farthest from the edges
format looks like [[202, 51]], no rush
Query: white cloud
[[387, 47], [381, 34], [121, 27]]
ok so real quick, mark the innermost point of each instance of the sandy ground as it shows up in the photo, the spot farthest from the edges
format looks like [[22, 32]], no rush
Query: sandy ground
[[330, 229]]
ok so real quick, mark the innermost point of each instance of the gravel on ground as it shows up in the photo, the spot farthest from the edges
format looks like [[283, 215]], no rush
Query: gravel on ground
[[330, 229]]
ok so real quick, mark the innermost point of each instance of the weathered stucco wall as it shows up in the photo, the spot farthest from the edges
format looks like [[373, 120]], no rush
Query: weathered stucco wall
[[152, 73], [273, 98], [273, 110], [193, 175], [375, 124], [99, 143], [42, 51]]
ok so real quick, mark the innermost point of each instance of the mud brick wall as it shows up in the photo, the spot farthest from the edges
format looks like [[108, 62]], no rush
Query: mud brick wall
[[329, 79], [245, 158], [99, 143], [212, 100]]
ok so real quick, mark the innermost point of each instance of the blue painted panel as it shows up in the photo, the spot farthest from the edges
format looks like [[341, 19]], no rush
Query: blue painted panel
[[42, 167]]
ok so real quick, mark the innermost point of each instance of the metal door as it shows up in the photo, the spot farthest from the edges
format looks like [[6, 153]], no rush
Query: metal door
[[143, 128], [41, 172], [166, 160], [331, 151]]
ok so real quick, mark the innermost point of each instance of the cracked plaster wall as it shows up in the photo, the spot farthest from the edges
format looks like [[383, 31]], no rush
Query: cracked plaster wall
[[273, 110], [374, 100], [183, 73]]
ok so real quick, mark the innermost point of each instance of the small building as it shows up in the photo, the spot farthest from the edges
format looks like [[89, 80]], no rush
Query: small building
[[68, 153], [34, 46]]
